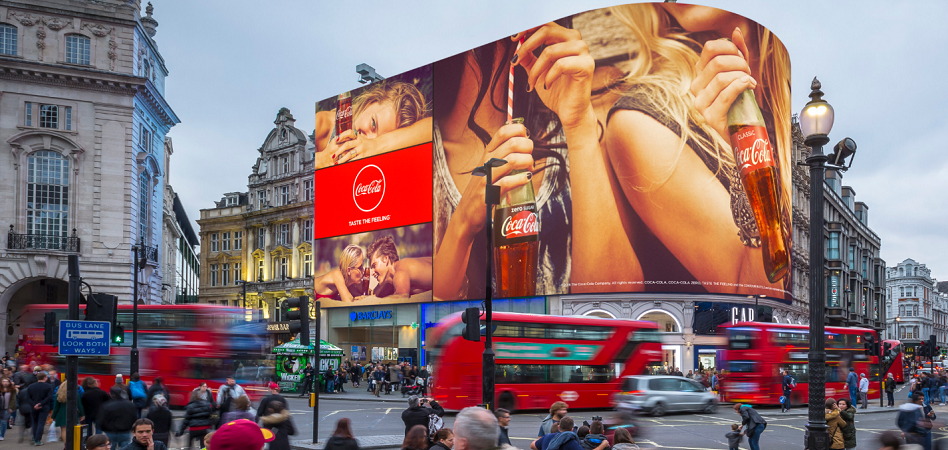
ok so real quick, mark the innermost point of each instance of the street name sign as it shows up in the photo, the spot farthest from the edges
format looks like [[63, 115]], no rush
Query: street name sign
[[84, 338]]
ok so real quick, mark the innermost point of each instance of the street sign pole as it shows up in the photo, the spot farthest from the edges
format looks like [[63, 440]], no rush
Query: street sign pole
[[72, 362], [316, 385]]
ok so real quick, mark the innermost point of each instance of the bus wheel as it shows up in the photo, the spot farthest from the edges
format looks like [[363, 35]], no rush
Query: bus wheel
[[506, 401]]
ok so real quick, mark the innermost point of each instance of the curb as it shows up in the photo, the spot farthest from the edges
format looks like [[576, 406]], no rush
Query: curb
[[356, 399]]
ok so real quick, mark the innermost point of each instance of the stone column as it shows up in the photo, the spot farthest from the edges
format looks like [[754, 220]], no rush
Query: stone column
[[266, 254], [246, 250], [295, 269]]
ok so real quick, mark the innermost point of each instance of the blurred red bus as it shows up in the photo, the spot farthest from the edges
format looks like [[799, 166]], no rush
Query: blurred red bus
[[541, 359], [895, 352], [757, 352], [185, 344]]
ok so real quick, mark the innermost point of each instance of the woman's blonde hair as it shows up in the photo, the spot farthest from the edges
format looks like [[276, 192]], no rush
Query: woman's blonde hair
[[665, 66], [61, 393], [409, 102], [349, 257]]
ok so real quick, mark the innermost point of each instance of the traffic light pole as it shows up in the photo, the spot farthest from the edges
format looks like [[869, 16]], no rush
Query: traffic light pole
[[133, 354], [491, 198], [72, 362], [316, 384]]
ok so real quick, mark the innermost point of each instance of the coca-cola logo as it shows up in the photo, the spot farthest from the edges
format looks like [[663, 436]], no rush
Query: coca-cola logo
[[753, 149], [368, 188], [524, 223], [344, 113]]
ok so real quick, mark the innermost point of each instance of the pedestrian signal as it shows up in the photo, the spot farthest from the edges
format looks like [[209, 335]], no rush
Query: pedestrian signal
[[118, 334], [472, 324]]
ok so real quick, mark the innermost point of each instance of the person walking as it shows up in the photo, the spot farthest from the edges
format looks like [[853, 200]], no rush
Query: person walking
[[925, 384], [197, 417], [116, 417], [915, 421], [157, 387], [753, 424], [934, 388], [503, 420], [139, 392], [59, 412], [241, 410], [342, 438], [280, 423], [92, 400], [161, 418], [734, 437], [226, 394], [788, 384], [378, 378], [265, 401], [40, 395], [890, 390], [852, 382], [835, 425], [848, 413], [7, 404], [864, 390]]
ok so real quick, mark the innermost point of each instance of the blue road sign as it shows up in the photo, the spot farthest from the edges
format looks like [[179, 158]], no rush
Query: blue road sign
[[84, 338]]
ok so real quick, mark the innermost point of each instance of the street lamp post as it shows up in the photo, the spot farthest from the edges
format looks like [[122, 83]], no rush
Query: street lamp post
[[816, 121], [491, 198]]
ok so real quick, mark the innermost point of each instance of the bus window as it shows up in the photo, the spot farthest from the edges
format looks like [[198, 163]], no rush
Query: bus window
[[742, 366], [646, 335], [740, 339], [833, 374], [799, 372], [795, 338]]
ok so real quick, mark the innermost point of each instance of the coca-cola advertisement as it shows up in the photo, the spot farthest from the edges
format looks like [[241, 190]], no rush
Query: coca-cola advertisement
[[376, 267], [647, 148], [379, 118]]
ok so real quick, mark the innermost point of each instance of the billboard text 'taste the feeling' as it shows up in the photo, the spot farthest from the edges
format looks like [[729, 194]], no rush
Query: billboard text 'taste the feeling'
[[655, 139]]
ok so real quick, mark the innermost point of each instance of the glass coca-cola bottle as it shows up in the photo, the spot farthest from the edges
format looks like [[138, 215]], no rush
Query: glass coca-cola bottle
[[516, 243], [343, 113], [756, 162], [365, 280]]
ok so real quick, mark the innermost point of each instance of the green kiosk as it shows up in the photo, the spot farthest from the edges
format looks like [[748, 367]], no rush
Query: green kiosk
[[291, 359]]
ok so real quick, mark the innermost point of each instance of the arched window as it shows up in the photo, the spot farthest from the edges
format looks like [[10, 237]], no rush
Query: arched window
[[144, 194], [8, 38], [47, 194], [78, 49]]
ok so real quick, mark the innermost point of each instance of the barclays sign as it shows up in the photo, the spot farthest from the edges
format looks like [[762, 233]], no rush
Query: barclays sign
[[369, 315]]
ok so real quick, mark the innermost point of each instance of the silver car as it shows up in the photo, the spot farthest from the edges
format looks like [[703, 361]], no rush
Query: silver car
[[658, 394]]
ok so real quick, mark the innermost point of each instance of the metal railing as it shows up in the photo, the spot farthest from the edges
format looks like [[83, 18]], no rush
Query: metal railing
[[16, 241]]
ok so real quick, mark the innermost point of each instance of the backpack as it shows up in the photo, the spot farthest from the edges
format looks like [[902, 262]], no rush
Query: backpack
[[138, 389], [435, 423]]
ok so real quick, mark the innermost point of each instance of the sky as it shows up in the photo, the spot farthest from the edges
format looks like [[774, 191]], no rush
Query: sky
[[234, 64]]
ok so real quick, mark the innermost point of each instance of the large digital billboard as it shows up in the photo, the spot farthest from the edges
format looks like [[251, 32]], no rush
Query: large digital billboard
[[647, 149]]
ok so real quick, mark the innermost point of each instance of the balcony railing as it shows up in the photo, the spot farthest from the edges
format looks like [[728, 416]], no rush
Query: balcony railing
[[17, 241]]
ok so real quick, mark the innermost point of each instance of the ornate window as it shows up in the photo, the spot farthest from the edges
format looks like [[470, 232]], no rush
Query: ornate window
[[8, 38], [308, 192], [77, 49], [308, 265], [236, 274], [225, 242], [284, 267], [214, 242], [284, 234], [284, 198], [143, 196], [260, 269], [213, 275], [238, 240], [47, 202], [49, 116], [225, 274], [307, 231], [261, 237]]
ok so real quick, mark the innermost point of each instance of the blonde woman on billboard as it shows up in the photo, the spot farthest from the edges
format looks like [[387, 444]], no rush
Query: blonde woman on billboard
[[470, 115], [342, 282], [668, 144], [388, 115]]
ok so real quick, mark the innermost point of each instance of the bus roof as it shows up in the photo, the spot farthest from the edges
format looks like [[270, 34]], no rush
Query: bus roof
[[564, 320], [769, 325], [188, 306]]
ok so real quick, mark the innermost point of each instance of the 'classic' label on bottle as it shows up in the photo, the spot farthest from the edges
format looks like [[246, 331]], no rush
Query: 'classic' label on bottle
[[752, 149], [516, 224]]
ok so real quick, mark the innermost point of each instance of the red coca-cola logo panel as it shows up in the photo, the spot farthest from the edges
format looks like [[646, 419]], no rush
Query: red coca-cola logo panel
[[368, 189]]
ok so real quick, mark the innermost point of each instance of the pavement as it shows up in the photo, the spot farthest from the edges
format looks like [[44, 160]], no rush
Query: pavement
[[361, 395]]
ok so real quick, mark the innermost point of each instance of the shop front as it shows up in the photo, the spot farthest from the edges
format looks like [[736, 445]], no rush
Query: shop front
[[688, 322], [387, 333]]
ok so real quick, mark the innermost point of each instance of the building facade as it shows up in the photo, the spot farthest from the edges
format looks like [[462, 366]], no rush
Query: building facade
[[263, 236], [81, 150], [916, 308], [180, 265]]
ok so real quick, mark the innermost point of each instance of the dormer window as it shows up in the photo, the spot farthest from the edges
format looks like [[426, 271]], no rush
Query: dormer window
[[230, 201]]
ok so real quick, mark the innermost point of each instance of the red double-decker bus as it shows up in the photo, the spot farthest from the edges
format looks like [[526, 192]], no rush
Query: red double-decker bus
[[185, 344], [541, 359], [897, 369], [757, 352]]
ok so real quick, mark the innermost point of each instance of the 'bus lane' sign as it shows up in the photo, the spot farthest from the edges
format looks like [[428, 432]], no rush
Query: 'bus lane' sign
[[84, 338]]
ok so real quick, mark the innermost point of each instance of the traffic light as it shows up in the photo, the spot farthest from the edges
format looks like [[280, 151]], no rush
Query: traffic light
[[102, 308], [886, 348], [932, 345], [298, 310], [49, 329], [472, 324], [923, 349], [118, 334], [870, 345]]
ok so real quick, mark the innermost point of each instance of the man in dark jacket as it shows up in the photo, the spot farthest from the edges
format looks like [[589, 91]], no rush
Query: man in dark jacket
[[595, 437], [309, 374], [503, 422], [753, 424], [265, 401], [40, 395], [914, 420], [117, 416], [143, 437], [852, 382], [157, 387], [92, 401], [419, 408], [23, 378], [787, 387], [563, 438]]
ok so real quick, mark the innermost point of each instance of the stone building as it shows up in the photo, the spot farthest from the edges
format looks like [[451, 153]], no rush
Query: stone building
[[81, 135], [263, 236], [180, 265], [916, 308]]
